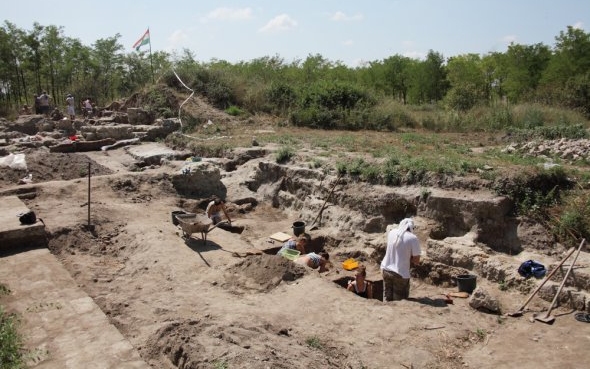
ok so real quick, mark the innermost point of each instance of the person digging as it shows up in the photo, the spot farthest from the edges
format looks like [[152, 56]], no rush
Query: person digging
[[216, 210]]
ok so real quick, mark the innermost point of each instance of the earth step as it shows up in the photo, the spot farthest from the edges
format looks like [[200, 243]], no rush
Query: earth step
[[464, 253], [569, 297]]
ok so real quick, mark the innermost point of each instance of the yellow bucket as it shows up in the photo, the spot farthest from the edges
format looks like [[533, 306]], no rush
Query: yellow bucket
[[350, 264]]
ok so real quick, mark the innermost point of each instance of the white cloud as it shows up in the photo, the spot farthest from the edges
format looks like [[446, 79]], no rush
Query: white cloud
[[340, 16], [578, 25], [348, 43], [178, 37], [360, 63], [230, 14], [408, 43], [508, 39], [414, 54], [279, 23]]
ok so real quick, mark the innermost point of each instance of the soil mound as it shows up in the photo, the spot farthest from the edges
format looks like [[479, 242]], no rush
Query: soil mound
[[204, 343], [262, 273], [57, 166]]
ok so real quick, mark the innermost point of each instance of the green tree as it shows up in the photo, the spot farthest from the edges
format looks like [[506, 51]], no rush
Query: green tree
[[467, 81], [107, 60], [429, 82], [524, 68], [571, 57], [494, 75], [52, 66], [397, 76]]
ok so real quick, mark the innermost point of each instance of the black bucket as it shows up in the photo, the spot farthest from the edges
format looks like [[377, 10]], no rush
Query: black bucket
[[466, 282], [298, 228]]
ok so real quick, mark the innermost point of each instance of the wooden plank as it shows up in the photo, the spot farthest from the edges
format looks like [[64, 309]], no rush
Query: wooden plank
[[280, 236]]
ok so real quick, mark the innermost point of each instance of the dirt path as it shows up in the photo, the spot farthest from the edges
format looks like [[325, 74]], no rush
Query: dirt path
[[186, 304]]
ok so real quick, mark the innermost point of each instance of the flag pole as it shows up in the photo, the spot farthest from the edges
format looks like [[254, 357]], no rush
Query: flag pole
[[151, 62]]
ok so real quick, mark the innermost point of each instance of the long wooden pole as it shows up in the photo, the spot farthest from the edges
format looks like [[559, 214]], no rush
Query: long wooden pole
[[547, 278], [326, 201], [89, 165], [547, 316]]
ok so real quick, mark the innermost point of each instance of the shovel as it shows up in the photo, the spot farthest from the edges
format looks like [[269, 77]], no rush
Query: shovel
[[548, 318], [325, 202], [548, 277]]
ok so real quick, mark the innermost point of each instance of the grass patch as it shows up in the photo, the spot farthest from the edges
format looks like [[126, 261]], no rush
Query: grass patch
[[284, 154], [481, 334], [314, 342], [11, 354], [220, 364]]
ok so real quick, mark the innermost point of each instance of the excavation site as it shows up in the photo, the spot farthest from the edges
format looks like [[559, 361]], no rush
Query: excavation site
[[125, 270]]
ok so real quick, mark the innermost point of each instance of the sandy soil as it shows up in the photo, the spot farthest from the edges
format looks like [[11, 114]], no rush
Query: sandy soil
[[184, 303]]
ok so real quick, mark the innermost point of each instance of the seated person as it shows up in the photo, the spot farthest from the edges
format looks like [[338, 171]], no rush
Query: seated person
[[298, 243], [360, 285], [25, 110], [56, 114], [314, 261], [214, 210]]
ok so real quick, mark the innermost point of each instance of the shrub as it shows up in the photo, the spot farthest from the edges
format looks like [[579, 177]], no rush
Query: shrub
[[573, 218], [11, 354], [283, 154], [219, 94], [461, 98], [370, 173], [341, 168], [533, 193], [391, 175], [314, 342], [532, 118], [314, 117], [356, 167], [234, 111], [281, 96]]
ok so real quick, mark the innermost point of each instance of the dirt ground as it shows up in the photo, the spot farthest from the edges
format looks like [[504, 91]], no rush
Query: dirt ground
[[184, 303]]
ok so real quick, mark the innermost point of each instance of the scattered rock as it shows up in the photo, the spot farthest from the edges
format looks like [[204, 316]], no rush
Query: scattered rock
[[481, 300]]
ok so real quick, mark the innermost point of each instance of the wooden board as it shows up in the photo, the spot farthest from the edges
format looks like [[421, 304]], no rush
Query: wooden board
[[462, 295], [280, 236]]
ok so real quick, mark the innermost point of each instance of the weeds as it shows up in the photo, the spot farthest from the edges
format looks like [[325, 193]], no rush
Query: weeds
[[234, 111], [11, 355], [316, 163], [481, 334], [314, 342], [220, 364], [284, 154]]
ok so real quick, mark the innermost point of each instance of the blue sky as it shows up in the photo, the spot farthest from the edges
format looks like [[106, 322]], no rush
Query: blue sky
[[340, 30]]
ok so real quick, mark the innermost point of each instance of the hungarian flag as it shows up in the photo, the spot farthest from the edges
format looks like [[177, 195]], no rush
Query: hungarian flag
[[144, 40]]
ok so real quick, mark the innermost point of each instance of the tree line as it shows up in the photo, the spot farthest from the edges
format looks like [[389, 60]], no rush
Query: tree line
[[313, 89]]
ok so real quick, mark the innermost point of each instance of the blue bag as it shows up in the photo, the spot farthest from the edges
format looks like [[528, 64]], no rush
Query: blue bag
[[531, 268]]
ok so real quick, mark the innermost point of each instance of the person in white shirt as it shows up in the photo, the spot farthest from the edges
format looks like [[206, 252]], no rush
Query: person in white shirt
[[70, 106], [403, 250]]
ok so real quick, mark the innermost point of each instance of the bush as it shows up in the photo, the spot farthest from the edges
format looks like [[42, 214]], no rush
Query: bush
[[571, 131], [281, 97], [573, 219], [314, 117], [461, 98], [234, 111], [283, 154], [534, 193], [11, 355]]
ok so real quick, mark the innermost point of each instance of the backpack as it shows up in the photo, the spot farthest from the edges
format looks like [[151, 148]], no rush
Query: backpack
[[28, 218], [531, 268]]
